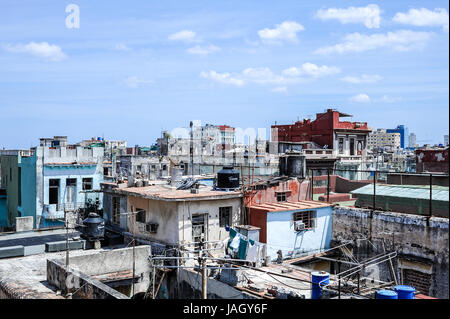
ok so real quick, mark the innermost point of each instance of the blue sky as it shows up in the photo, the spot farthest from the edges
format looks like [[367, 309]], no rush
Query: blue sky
[[133, 68]]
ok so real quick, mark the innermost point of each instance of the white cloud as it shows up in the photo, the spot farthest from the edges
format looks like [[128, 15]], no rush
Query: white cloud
[[203, 50], [369, 16], [44, 50], [264, 75], [279, 89], [284, 31], [360, 98], [424, 17], [222, 78], [184, 35], [134, 82], [362, 79], [122, 47], [402, 40]]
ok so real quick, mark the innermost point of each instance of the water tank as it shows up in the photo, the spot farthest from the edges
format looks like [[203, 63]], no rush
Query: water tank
[[405, 292], [319, 279], [177, 176], [94, 226], [228, 178], [386, 294]]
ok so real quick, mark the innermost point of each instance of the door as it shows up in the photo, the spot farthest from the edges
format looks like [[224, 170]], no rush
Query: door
[[71, 185], [352, 146], [199, 228]]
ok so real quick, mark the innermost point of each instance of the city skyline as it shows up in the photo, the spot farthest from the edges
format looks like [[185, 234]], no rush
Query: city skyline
[[130, 72]]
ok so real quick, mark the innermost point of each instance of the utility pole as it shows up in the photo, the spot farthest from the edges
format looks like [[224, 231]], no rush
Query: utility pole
[[203, 269], [67, 237], [134, 259]]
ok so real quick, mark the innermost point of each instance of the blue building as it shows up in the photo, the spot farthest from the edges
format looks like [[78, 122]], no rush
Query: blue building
[[294, 228], [58, 178], [404, 135]]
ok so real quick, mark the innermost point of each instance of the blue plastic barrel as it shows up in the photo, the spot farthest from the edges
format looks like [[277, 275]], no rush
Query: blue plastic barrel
[[317, 277], [405, 292], [387, 294]]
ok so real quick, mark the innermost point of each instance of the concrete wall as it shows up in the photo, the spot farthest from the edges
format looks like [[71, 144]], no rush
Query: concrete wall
[[104, 262], [10, 181], [24, 223], [31, 187], [190, 287], [174, 218], [415, 242], [282, 236], [405, 179], [295, 190], [80, 285]]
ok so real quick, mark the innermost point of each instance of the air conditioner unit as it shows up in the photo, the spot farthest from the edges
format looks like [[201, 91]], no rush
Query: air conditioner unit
[[299, 225], [151, 227]]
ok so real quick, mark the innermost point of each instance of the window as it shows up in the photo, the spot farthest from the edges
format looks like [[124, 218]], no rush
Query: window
[[71, 182], [87, 183], [141, 215], [53, 191], [341, 146], [116, 210], [281, 197], [225, 216], [307, 217], [164, 167]]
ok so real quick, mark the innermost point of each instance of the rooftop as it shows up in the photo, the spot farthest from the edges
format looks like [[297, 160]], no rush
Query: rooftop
[[163, 191], [285, 206], [440, 193]]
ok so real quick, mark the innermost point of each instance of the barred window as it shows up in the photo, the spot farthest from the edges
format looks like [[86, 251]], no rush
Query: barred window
[[307, 217]]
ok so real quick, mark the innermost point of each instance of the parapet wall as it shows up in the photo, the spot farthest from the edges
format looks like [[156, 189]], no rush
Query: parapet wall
[[420, 247]]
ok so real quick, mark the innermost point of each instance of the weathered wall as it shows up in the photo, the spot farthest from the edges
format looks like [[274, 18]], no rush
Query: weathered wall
[[80, 285], [211, 208], [427, 247], [24, 223], [190, 287], [414, 179], [295, 190]]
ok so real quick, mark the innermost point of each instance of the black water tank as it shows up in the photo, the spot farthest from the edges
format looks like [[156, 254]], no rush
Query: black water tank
[[228, 178], [94, 226]]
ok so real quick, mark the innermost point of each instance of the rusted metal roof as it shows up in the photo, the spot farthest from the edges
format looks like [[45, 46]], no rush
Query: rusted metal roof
[[284, 206]]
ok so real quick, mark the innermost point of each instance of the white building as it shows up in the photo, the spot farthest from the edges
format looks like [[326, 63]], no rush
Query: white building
[[412, 140], [380, 138]]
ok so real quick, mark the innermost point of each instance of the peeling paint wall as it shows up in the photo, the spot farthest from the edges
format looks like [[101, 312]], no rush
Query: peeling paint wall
[[426, 247]]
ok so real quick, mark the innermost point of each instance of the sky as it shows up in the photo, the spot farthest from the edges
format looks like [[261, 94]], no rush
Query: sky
[[128, 69]]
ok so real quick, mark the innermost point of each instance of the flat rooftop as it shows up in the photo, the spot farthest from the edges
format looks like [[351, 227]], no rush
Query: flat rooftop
[[163, 191], [439, 193], [26, 277]]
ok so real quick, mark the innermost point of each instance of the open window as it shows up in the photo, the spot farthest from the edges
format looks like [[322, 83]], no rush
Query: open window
[[87, 183], [53, 191], [225, 216], [141, 215]]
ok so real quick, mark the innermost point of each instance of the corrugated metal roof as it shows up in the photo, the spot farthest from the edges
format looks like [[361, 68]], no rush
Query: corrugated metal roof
[[406, 191], [285, 206]]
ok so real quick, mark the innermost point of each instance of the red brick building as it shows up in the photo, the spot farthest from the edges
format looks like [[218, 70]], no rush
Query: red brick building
[[346, 138]]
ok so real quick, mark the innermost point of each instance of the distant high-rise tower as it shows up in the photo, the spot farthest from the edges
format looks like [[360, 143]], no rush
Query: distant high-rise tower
[[446, 140], [404, 134], [412, 140]]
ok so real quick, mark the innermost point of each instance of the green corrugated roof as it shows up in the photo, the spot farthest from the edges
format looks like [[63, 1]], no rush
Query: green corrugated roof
[[406, 191]]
